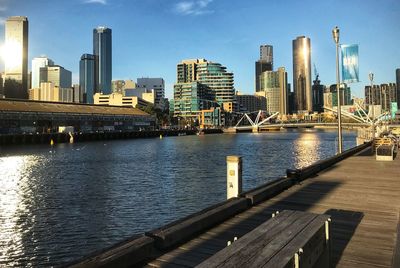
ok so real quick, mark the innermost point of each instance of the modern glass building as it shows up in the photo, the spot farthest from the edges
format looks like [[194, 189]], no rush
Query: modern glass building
[[345, 95], [265, 63], [187, 70], [102, 50], [86, 78], [214, 83], [57, 75], [274, 86], [16, 58], [215, 76], [190, 98], [302, 74], [37, 63]]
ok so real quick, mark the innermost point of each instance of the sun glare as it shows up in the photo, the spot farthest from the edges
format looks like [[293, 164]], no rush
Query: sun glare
[[11, 53]]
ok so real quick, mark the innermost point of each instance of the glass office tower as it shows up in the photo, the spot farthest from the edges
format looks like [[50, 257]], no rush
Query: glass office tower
[[37, 63], [16, 58], [302, 74], [265, 63], [86, 78], [102, 50]]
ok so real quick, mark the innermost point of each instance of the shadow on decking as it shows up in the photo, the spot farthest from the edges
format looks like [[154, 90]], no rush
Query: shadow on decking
[[344, 224], [303, 198]]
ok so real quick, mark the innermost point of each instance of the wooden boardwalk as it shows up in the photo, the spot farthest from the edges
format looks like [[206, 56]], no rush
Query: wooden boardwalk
[[362, 196]]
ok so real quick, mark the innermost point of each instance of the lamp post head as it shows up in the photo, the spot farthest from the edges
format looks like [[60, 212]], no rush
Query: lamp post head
[[335, 34], [371, 76]]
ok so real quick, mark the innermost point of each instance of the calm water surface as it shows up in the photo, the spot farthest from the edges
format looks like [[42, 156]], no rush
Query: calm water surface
[[60, 203]]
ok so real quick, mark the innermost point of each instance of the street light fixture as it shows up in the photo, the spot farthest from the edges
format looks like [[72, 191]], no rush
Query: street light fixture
[[371, 79], [335, 34]]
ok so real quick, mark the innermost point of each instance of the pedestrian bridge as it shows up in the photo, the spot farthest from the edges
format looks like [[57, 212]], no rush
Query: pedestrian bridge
[[277, 126]]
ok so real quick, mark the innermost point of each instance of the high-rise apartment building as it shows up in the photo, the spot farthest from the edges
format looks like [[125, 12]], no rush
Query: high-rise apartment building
[[382, 95], [190, 98], [274, 88], [37, 63], [265, 63], [302, 74], [102, 51], [331, 96], [57, 75], [215, 76], [86, 78], [16, 58], [215, 84], [187, 70], [398, 87]]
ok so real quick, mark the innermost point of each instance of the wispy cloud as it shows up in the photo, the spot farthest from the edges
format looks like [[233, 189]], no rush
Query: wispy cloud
[[193, 7], [102, 2]]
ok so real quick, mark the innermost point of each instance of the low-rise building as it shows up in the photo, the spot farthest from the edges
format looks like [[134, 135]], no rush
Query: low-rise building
[[117, 99], [49, 92]]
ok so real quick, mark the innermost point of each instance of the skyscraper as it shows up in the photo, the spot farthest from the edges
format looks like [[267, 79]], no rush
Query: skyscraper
[[86, 78], [318, 95], [38, 63], [102, 51], [275, 89], [302, 74], [265, 63], [57, 75], [398, 87], [16, 58]]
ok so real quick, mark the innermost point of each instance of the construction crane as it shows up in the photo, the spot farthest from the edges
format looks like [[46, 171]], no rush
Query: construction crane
[[316, 72]]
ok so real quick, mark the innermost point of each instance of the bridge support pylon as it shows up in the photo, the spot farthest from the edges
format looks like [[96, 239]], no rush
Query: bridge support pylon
[[255, 129]]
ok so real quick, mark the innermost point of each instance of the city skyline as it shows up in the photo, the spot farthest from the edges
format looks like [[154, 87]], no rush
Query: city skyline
[[148, 41]]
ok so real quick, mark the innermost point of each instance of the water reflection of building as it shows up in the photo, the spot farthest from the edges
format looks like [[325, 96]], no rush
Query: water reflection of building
[[306, 149]]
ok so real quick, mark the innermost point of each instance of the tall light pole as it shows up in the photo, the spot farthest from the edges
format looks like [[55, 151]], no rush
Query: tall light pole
[[371, 79], [335, 33]]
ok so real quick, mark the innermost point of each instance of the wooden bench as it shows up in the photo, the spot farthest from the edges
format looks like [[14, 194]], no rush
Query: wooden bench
[[290, 239]]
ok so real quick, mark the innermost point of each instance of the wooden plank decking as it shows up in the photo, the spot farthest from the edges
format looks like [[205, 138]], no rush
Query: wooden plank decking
[[362, 196]]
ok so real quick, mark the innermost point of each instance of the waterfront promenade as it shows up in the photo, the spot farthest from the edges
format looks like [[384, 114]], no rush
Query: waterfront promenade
[[361, 195]]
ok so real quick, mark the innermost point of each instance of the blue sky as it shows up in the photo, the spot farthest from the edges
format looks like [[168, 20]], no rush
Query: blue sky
[[151, 36]]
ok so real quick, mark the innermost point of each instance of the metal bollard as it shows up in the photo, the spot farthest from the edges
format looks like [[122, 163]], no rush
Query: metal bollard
[[233, 176]]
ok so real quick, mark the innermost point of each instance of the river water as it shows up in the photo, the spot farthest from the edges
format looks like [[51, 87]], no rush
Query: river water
[[60, 203]]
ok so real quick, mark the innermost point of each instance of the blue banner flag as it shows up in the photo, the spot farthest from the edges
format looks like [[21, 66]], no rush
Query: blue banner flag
[[349, 63]]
